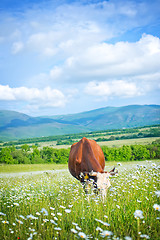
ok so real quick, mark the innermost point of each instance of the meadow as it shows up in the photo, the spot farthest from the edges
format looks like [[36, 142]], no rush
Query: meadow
[[53, 205]]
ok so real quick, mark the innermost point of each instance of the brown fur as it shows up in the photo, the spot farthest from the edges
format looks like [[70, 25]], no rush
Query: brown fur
[[85, 156]]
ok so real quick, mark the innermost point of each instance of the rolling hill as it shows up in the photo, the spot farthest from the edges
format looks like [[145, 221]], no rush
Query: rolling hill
[[15, 125]]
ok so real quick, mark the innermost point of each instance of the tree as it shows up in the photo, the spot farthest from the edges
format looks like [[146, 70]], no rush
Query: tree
[[25, 147], [5, 155], [20, 157], [48, 154], [140, 152]]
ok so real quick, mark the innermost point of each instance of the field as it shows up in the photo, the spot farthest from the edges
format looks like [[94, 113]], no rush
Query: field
[[53, 205], [114, 143], [15, 168]]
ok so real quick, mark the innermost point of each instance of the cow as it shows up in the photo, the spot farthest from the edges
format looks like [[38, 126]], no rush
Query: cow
[[86, 163]]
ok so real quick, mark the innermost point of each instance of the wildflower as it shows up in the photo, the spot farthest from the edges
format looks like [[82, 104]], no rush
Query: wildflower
[[82, 235], [37, 213], [62, 207], [119, 164], [55, 218], [70, 206], [60, 214], [16, 204], [106, 233], [138, 214], [44, 211], [57, 229], [31, 237], [75, 224], [45, 220], [118, 206], [157, 193], [73, 230], [5, 222], [128, 238], [21, 216], [32, 229], [67, 210], [2, 214], [99, 229], [104, 223], [144, 236], [78, 228], [19, 221], [31, 217], [156, 207], [153, 165], [52, 208], [52, 221]]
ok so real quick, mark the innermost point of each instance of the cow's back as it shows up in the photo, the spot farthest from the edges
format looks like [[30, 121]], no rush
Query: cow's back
[[85, 156]]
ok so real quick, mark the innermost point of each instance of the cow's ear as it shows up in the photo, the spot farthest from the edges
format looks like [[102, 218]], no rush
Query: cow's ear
[[112, 170], [113, 173]]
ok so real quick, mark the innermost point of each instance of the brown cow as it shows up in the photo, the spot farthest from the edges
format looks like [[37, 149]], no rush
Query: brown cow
[[87, 162]]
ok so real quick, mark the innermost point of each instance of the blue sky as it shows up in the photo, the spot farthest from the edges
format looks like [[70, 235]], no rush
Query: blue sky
[[62, 57]]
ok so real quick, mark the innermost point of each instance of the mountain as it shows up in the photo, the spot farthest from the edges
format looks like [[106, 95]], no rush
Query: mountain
[[15, 125]]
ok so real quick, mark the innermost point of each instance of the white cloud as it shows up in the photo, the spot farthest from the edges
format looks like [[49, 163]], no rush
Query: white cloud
[[6, 93], [17, 47], [46, 97], [113, 88], [69, 27], [133, 67], [55, 73], [120, 61]]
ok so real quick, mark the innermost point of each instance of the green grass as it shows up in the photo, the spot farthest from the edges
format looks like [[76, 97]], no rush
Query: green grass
[[34, 207], [120, 143], [15, 168]]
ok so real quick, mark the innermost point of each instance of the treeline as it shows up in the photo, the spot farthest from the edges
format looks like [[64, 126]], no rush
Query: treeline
[[138, 132], [32, 155], [155, 132], [133, 152]]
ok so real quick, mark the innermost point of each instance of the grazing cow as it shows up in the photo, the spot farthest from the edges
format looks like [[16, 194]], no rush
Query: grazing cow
[[87, 162]]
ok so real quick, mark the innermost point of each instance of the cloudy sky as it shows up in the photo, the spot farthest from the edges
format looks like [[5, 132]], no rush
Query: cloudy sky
[[66, 56]]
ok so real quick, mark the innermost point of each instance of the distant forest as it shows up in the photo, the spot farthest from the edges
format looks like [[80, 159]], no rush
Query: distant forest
[[32, 155], [98, 136]]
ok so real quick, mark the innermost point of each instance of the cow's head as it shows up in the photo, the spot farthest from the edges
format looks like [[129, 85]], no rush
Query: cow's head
[[100, 180], [103, 181]]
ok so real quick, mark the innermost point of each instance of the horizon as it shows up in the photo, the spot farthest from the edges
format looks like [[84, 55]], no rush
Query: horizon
[[69, 57]]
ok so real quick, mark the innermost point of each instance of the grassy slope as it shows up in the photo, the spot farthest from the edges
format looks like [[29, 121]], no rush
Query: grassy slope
[[7, 116]]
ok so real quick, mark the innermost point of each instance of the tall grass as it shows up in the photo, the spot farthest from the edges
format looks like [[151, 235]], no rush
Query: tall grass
[[54, 206]]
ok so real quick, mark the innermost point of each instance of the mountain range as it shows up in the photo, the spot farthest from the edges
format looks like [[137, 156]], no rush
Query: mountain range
[[15, 125]]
